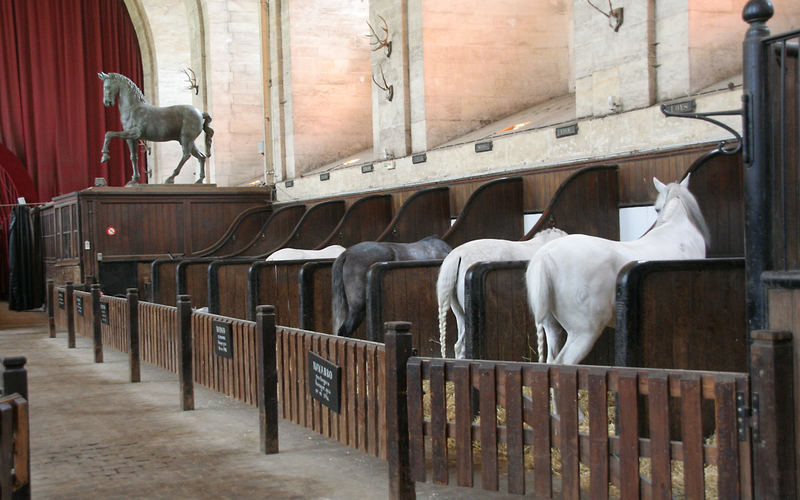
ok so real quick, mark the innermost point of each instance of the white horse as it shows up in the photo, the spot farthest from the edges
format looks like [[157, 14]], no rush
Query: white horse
[[330, 252], [450, 284], [572, 281]]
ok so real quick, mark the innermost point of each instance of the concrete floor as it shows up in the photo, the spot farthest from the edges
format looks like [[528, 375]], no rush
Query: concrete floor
[[94, 435]]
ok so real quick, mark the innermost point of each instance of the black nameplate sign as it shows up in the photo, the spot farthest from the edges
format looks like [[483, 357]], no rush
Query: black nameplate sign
[[365, 169], [104, 313], [482, 147], [567, 131], [223, 344], [61, 299], [288, 184], [79, 305], [323, 381], [420, 158], [325, 176], [681, 107]]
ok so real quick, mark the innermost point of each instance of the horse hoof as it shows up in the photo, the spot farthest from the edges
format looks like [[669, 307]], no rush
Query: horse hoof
[[169, 180], [132, 182], [105, 158]]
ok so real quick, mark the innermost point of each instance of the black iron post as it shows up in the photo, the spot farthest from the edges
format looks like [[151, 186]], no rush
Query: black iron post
[[756, 132]]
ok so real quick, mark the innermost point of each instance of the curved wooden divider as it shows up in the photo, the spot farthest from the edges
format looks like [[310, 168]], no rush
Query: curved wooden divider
[[364, 219], [275, 230], [422, 214], [238, 233], [494, 210]]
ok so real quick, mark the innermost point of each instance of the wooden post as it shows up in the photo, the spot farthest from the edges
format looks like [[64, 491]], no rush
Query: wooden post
[[398, 350], [97, 332], [15, 376], [6, 450], [185, 352], [70, 308], [771, 373], [267, 379], [51, 309], [133, 335]]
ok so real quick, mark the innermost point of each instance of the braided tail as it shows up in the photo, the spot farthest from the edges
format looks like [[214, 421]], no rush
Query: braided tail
[[445, 287], [537, 279]]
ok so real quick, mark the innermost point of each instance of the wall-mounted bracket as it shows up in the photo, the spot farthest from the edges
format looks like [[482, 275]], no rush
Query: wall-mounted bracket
[[706, 117]]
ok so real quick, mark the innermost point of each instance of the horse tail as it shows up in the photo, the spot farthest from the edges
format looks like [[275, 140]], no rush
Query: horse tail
[[537, 281], [339, 299], [209, 133], [445, 285]]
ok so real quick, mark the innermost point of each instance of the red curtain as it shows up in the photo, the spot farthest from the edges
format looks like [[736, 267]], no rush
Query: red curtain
[[51, 100]]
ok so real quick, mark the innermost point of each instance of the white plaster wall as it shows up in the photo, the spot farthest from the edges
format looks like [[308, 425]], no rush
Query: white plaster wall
[[630, 132], [235, 90], [486, 60], [613, 64], [329, 86]]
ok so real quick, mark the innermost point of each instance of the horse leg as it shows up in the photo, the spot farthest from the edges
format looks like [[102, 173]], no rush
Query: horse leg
[[171, 178], [132, 133], [577, 346], [202, 159], [134, 150]]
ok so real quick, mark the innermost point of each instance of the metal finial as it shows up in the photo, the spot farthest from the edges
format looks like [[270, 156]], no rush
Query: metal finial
[[758, 11]]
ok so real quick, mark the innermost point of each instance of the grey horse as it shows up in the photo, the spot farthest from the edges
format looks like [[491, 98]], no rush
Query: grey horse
[[349, 275], [142, 120]]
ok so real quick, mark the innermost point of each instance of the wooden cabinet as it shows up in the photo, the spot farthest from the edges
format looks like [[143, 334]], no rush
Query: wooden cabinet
[[113, 231]]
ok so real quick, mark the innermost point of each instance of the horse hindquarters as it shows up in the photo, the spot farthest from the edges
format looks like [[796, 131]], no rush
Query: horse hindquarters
[[445, 291], [338, 297]]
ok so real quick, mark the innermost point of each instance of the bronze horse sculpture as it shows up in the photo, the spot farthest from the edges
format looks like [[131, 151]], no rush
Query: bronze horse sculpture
[[142, 120]]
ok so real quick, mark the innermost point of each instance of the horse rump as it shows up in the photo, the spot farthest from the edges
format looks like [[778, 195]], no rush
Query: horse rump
[[338, 296]]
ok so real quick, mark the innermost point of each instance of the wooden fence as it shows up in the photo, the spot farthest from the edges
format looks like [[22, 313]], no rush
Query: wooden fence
[[158, 333], [591, 440]]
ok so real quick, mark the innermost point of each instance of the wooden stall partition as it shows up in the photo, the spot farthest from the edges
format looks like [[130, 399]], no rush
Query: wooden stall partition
[[685, 314], [314, 227], [277, 283], [588, 447], [224, 351], [494, 210], [316, 313], [424, 213], [364, 220], [163, 281], [262, 241], [398, 290], [717, 183], [240, 232], [84, 313], [158, 335], [783, 300], [353, 411], [192, 279], [114, 322]]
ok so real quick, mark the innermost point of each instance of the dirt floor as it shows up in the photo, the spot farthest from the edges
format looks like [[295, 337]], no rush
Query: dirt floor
[[94, 435]]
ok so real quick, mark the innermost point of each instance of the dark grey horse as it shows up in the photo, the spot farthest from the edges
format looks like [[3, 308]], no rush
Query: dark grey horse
[[142, 120], [349, 282]]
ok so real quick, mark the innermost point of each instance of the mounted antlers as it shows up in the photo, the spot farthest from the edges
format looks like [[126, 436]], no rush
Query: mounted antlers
[[389, 89], [379, 42], [614, 15], [191, 79]]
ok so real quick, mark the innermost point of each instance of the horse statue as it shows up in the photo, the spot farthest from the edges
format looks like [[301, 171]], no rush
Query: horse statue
[[349, 275], [450, 284], [571, 281], [142, 120], [329, 252]]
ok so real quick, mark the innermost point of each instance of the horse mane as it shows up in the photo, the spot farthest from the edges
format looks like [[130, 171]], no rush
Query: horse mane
[[693, 209], [136, 93]]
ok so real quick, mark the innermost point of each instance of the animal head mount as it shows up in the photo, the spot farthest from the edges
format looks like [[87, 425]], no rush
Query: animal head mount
[[191, 79], [379, 42], [614, 15], [389, 89]]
